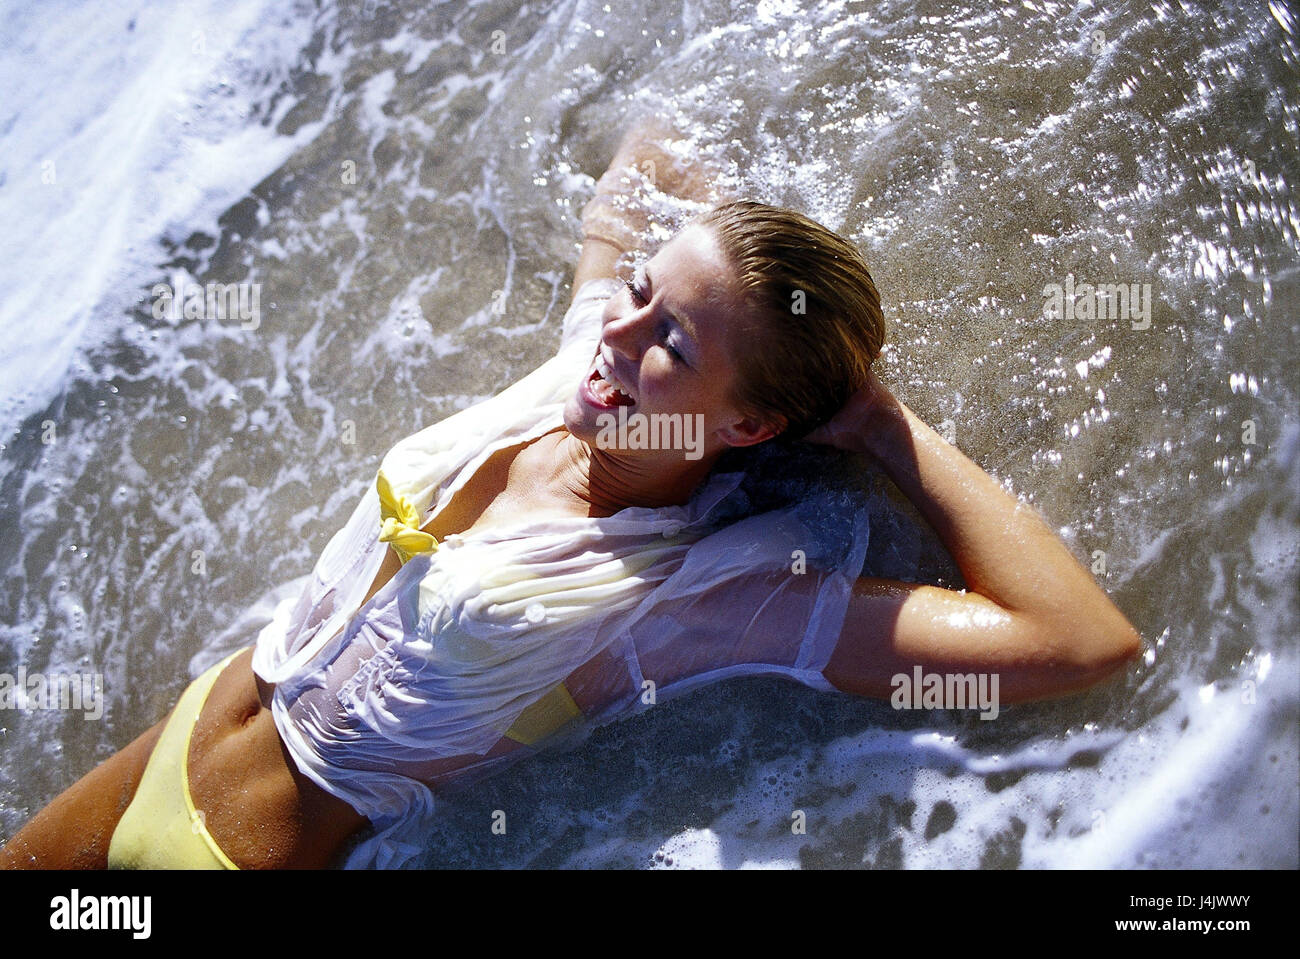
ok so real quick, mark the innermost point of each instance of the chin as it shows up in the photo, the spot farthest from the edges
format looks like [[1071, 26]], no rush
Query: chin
[[576, 420]]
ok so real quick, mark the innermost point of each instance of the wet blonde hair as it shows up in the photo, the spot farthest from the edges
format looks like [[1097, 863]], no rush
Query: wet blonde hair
[[817, 319]]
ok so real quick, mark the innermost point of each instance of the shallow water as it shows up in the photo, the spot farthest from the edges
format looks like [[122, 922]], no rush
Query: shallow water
[[391, 172]]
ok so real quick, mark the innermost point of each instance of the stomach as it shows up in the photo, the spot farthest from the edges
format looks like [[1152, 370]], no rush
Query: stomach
[[259, 808]]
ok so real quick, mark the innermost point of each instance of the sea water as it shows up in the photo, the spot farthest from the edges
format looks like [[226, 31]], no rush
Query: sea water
[[401, 183]]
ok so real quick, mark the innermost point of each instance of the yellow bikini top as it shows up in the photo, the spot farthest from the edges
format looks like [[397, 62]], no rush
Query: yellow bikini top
[[401, 523]]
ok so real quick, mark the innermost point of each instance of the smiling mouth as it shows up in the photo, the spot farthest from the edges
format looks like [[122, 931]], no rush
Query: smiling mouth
[[605, 388]]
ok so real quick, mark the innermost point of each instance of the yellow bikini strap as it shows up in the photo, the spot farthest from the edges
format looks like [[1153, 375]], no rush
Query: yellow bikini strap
[[401, 523]]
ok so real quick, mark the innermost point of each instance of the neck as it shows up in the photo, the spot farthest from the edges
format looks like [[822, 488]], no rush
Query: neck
[[606, 481]]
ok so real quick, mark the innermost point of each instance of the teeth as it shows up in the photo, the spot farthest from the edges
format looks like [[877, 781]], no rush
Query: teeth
[[608, 375]]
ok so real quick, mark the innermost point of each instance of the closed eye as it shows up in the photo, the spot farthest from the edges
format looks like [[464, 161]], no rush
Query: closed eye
[[666, 336], [636, 294]]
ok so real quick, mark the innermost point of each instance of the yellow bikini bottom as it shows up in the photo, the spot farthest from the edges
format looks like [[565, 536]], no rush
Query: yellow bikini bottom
[[162, 829]]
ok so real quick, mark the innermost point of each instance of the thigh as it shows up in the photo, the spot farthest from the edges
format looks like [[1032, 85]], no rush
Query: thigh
[[75, 829]]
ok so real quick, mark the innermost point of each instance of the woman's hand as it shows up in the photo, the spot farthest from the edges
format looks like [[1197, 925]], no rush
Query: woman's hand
[[654, 153], [653, 174], [861, 420]]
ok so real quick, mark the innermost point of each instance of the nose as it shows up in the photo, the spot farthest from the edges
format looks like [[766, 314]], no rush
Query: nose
[[629, 330]]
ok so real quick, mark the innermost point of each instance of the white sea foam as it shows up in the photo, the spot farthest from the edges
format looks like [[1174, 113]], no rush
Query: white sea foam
[[129, 125]]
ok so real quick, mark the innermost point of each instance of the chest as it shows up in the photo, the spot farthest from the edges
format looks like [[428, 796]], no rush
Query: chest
[[500, 489], [481, 501]]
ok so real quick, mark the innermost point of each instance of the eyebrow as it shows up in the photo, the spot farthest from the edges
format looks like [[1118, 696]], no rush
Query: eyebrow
[[682, 320]]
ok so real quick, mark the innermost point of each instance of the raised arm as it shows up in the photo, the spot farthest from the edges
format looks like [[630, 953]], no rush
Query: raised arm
[[617, 219], [1031, 613]]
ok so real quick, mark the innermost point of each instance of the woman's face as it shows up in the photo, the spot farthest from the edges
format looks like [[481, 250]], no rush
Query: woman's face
[[668, 346]]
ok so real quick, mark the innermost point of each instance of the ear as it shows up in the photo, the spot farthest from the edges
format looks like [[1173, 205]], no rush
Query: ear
[[750, 431]]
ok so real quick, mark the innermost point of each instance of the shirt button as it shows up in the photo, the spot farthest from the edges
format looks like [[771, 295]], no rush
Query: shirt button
[[535, 612]]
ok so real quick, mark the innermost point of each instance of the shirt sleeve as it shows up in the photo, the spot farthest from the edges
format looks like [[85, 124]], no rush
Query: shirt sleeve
[[582, 321], [764, 596]]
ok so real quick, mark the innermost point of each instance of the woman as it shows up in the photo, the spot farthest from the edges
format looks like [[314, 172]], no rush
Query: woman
[[521, 564]]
